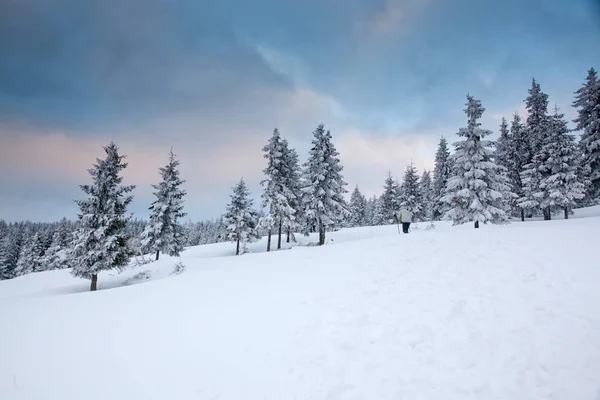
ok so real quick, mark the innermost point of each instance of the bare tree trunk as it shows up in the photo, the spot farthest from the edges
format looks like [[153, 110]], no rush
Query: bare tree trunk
[[237, 250], [157, 254], [549, 214], [94, 283], [566, 212], [321, 234], [279, 237], [476, 224], [269, 241], [522, 215], [288, 234]]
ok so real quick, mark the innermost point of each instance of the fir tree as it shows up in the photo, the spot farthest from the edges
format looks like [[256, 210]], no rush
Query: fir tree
[[11, 249], [358, 209], [587, 101], [477, 188], [537, 118], [562, 186], [534, 172], [278, 196], [427, 196], [390, 200], [410, 193], [323, 198], [165, 232], [520, 156], [294, 186], [56, 255], [503, 153], [101, 238], [241, 220], [31, 256], [441, 174]]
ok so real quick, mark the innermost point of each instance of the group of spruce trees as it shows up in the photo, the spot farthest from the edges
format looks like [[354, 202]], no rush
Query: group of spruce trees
[[536, 167]]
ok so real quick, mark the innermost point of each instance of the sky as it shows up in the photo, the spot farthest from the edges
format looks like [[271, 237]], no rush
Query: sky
[[212, 79]]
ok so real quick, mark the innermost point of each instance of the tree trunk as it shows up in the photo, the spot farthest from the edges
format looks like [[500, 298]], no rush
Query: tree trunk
[[94, 283], [321, 234], [522, 215], [269, 241], [288, 234], [157, 254], [476, 224], [549, 214], [237, 249], [566, 213], [279, 238]]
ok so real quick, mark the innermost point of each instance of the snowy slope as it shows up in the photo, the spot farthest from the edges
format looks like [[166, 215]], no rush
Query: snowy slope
[[508, 312]]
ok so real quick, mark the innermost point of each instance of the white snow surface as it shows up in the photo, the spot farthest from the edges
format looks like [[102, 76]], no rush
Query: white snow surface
[[503, 312]]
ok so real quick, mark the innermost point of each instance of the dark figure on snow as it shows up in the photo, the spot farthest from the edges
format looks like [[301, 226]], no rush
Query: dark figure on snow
[[405, 218]]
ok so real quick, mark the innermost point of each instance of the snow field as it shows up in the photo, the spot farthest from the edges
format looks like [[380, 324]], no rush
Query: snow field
[[505, 312]]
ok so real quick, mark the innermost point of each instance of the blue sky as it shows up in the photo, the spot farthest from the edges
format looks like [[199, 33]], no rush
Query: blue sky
[[212, 79]]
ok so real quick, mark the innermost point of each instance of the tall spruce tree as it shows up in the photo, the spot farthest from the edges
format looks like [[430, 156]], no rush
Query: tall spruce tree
[[534, 172], [410, 193], [278, 196], [241, 220], [478, 189], [427, 196], [441, 174], [562, 186], [101, 239], [294, 185], [520, 156], [323, 197], [358, 209], [587, 102], [390, 200], [164, 232]]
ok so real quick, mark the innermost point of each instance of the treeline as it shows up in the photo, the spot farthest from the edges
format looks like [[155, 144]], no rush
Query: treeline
[[535, 168]]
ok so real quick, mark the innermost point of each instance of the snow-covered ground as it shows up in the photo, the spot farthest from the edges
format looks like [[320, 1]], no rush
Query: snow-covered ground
[[504, 312]]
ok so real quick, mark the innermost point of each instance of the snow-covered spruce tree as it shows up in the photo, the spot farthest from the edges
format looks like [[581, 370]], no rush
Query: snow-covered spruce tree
[[478, 188], [11, 248], [520, 156], [534, 172], [278, 197], [427, 196], [241, 220], [31, 256], [503, 154], [563, 185], [537, 117], [410, 193], [587, 102], [390, 200], [441, 174], [164, 232], [378, 213], [100, 242], [56, 255], [294, 184], [323, 197], [358, 209]]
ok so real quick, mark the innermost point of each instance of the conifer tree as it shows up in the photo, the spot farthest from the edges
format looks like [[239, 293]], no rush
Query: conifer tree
[[441, 174], [31, 256], [534, 171], [323, 197], [241, 220], [410, 193], [11, 249], [562, 186], [587, 102], [358, 209], [278, 196], [294, 185], [390, 200], [427, 196], [477, 189], [101, 239], [520, 150], [56, 255], [164, 232]]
